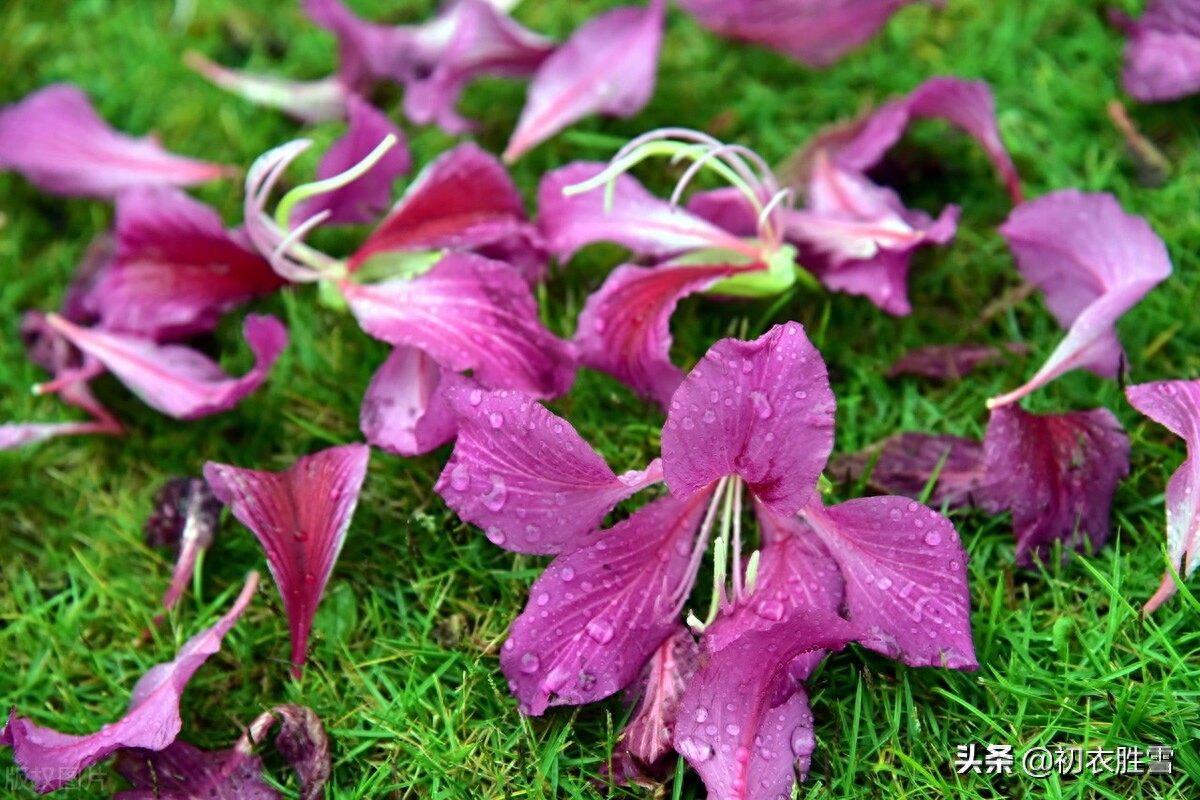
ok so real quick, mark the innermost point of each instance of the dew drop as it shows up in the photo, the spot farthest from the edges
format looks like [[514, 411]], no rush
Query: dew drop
[[884, 583], [600, 631], [713, 395], [933, 538], [770, 610], [733, 729], [711, 730], [567, 574], [800, 395], [334, 495], [496, 536], [532, 533], [688, 423], [701, 713], [896, 515], [762, 406], [914, 506], [460, 478], [476, 397], [495, 499], [709, 416], [510, 644], [530, 663], [496, 419], [542, 599], [802, 742]]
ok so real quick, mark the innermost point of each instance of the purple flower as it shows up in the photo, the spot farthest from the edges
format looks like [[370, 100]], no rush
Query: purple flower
[[1162, 59], [752, 418]]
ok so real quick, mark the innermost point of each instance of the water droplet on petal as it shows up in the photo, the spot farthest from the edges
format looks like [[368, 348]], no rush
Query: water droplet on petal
[[896, 515], [542, 599], [533, 533], [884, 583], [476, 397], [496, 536], [709, 416], [770, 610], [567, 574], [688, 423], [460, 478], [496, 419], [701, 713], [762, 406], [802, 742], [530, 663], [933, 538], [733, 729], [494, 500]]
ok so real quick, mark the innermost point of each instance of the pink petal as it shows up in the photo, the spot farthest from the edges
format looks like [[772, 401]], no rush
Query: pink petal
[[636, 219], [367, 51], [904, 463], [404, 410], [1057, 472], [14, 435], [52, 759], [762, 410], [307, 101], [624, 329], [814, 32], [177, 380], [607, 66], [526, 477], [906, 578], [468, 312], [300, 517], [185, 518], [599, 612], [1093, 262], [1176, 406], [57, 141], [364, 199], [176, 269], [947, 362], [1162, 58], [462, 200]]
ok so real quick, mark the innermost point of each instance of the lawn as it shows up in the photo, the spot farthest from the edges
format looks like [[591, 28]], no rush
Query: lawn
[[403, 666]]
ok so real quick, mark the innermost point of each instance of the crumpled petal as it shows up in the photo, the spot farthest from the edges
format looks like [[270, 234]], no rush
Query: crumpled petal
[[598, 613], [951, 362], [300, 516], [177, 380], [904, 462], [61, 145], [364, 199], [906, 578], [1162, 58], [1057, 473], [607, 66], [184, 518], [1176, 406], [52, 759], [762, 410], [176, 269], [526, 477], [814, 32], [404, 409], [636, 219], [625, 327], [469, 312], [307, 101], [1093, 262]]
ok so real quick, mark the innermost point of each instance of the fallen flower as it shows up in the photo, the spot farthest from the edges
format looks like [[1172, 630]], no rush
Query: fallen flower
[[1176, 406], [51, 759], [947, 362], [57, 141], [300, 516], [1162, 58], [905, 462]]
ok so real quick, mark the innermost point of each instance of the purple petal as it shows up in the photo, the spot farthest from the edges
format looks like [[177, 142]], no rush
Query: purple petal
[[404, 410], [176, 269], [607, 66], [636, 219], [468, 312], [185, 772], [1162, 58], [732, 727], [307, 101], [300, 516], [1176, 405], [599, 612], [726, 208], [625, 327], [904, 463], [177, 380], [367, 51], [906, 578], [1057, 473], [462, 200], [951, 362], [52, 759], [814, 32], [1093, 262], [362, 200], [526, 477], [57, 141], [762, 410], [14, 435], [185, 518]]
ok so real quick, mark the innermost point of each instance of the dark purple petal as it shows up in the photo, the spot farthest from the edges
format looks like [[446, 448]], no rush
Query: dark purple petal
[[636, 219], [177, 380], [1093, 262], [404, 410], [814, 32], [951, 362], [184, 518], [176, 268], [468, 312], [307, 101], [300, 516], [906, 578], [625, 327], [1057, 473], [904, 463], [301, 741], [762, 410], [364, 199], [526, 477], [599, 612], [185, 772], [1162, 58], [57, 141], [608, 66], [52, 759], [1176, 406]]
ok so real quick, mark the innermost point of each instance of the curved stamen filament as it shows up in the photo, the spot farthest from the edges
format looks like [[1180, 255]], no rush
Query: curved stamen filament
[[283, 211], [680, 595], [773, 234], [736, 492]]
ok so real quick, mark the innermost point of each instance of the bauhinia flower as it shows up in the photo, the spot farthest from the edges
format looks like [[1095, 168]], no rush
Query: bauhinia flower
[[750, 425]]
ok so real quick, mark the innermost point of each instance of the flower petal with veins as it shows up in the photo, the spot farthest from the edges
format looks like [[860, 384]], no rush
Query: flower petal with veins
[[404, 410]]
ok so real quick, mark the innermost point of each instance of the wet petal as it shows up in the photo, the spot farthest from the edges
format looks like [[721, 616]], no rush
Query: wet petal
[[904, 463], [183, 771], [307, 101], [599, 612], [762, 410], [526, 477], [57, 141], [1093, 262], [300, 516], [404, 410]]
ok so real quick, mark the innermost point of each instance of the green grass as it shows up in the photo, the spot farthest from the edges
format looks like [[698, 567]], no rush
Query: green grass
[[404, 667]]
